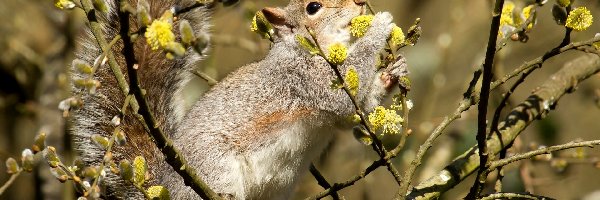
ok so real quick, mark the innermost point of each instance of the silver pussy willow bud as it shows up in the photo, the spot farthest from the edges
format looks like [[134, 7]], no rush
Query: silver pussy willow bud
[[116, 120], [201, 43], [39, 143], [11, 166], [120, 138], [174, 50], [51, 157], [27, 160], [60, 174], [100, 141], [90, 172], [82, 66], [125, 170], [187, 34], [143, 17]]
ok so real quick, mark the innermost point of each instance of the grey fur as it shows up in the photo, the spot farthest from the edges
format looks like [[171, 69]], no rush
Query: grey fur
[[252, 134]]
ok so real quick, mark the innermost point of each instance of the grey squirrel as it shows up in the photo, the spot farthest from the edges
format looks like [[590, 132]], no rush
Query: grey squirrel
[[251, 135]]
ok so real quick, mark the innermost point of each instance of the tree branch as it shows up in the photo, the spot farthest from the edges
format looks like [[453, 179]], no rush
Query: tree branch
[[96, 28], [484, 96], [377, 145], [10, 181], [322, 181], [514, 196], [547, 150], [338, 186], [537, 106], [172, 155]]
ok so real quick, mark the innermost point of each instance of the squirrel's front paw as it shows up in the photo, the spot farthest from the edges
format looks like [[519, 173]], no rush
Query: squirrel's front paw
[[393, 72], [381, 26]]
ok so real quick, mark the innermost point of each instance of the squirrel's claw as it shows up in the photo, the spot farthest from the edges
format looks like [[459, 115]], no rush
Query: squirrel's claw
[[392, 73]]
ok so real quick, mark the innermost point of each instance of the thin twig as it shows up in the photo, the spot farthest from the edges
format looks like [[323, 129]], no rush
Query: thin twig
[[514, 196], [96, 28], [206, 77], [547, 150], [339, 186], [567, 39], [499, 46], [404, 123], [539, 60], [197, 4], [322, 181], [10, 181], [377, 145]]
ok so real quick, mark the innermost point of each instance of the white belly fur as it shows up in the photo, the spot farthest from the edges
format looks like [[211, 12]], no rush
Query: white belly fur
[[271, 171]]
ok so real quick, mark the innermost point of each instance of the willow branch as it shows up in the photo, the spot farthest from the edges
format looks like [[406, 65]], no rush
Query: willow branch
[[547, 150], [10, 181], [385, 156], [473, 98], [539, 60], [322, 181], [484, 97], [404, 123], [96, 28], [209, 80], [377, 145], [537, 106], [499, 46], [172, 156], [514, 196], [339, 186]]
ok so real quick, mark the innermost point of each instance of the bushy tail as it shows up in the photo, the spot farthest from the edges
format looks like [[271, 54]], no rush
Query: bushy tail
[[160, 77]]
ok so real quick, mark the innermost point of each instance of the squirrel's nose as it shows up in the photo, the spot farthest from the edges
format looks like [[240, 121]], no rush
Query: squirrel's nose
[[360, 2]]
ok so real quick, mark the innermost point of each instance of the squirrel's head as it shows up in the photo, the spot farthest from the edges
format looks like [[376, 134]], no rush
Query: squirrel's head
[[329, 19]]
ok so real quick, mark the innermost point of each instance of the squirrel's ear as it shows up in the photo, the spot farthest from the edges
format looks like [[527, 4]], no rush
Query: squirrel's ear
[[275, 16]]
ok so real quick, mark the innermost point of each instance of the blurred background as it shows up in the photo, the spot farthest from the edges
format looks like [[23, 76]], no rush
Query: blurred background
[[37, 42]]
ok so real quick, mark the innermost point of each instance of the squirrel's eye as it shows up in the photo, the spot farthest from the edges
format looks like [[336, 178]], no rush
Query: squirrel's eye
[[313, 7]]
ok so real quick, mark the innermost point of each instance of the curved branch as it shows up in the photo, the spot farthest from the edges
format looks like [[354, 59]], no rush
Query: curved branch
[[537, 106], [514, 196], [547, 150], [10, 181], [172, 155]]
